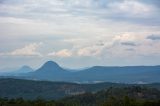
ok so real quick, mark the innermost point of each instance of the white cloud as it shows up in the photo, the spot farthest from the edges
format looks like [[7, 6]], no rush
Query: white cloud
[[143, 47], [28, 50], [91, 28], [125, 37], [61, 53], [148, 48], [89, 51], [60, 17], [113, 46], [131, 8]]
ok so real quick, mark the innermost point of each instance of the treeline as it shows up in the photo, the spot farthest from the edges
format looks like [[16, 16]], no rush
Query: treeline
[[122, 96], [112, 101]]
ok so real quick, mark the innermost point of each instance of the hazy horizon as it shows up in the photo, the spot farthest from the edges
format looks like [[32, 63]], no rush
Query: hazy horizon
[[79, 33]]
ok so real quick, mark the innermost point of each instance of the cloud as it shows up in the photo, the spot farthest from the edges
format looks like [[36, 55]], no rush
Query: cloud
[[128, 43], [105, 9], [89, 51], [130, 49], [148, 49], [71, 17], [61, 53], [131, 8], [153, 37], [124, 37], [92, 28], [28, 50]]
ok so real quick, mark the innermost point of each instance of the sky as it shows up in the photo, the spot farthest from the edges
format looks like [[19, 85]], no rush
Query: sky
[[79, 33]]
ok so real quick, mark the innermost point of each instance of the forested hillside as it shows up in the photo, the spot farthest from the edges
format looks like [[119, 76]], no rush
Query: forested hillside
[[123, 96], [29, 89]]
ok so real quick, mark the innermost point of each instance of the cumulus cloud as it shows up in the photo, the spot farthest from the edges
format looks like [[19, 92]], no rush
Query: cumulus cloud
[[127, 44], [135, 45], [61, 53], [89, 51], [124, 37], [28, 50]]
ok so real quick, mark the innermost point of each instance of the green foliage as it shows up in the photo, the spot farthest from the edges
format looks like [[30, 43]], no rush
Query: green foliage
[[28, 89], [111, 101], [121, 95]]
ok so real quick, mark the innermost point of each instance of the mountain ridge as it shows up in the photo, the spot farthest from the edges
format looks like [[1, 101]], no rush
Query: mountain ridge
[[51, 71]]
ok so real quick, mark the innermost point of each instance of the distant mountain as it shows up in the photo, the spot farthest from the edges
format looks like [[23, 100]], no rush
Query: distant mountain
[[51, 71], [126, 74], [22, 70], [50, 67]]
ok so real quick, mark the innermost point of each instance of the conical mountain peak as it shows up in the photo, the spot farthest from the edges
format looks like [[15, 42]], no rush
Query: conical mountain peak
[[49, 69], [50, 64]]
